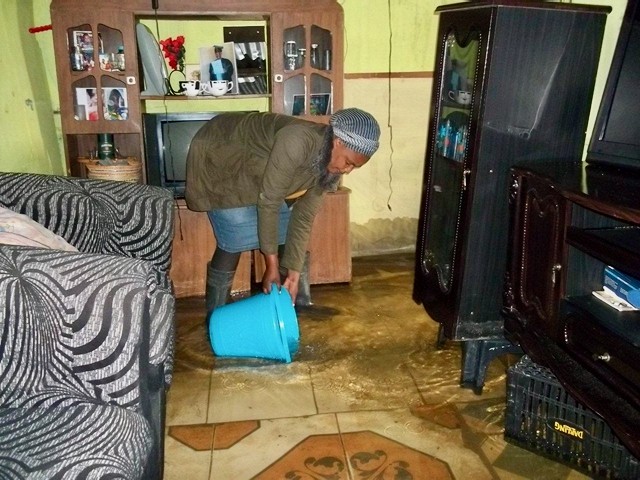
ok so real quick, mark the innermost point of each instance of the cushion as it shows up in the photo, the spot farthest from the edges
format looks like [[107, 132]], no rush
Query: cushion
[[18, 229]]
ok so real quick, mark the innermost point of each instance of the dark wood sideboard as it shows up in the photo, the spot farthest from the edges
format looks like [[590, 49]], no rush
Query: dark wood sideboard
[[567, 222]]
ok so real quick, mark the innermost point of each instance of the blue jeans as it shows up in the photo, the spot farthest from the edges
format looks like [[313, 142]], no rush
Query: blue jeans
[[236, 229]]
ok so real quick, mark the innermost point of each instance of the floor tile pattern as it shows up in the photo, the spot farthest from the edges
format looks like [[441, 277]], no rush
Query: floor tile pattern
[[369, 395]]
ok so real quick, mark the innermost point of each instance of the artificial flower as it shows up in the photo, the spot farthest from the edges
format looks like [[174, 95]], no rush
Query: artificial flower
[[174, 51]]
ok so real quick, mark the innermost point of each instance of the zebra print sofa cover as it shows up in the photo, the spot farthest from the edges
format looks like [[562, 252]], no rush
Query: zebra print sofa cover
[[74, 369], [97, 216], [117, 220]]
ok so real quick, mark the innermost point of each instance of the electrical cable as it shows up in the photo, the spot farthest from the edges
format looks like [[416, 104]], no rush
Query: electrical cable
[[167, 151], [389, 125]]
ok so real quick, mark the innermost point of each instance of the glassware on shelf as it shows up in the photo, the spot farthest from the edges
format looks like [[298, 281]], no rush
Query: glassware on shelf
[[291, 53], [120, 63], [302, 54], [315, 60], [327, 59]]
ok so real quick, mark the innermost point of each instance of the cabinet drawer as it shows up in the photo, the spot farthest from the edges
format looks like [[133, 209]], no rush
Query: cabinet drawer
[[607, 355]]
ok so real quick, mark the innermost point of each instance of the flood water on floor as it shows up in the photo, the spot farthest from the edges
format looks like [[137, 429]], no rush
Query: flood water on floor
[[367, 362]]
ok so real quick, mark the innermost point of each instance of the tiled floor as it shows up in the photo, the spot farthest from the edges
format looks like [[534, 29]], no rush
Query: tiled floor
[[368, 396]]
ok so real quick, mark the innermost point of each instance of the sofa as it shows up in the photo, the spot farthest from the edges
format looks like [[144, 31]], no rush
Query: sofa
[[86, 333]]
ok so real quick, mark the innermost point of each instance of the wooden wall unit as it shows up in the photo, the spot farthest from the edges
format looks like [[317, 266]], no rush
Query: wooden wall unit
[[329, 247], [193, 245], [113, 23]]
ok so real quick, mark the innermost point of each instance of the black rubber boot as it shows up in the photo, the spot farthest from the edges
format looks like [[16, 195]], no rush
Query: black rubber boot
[[303, 299], [218, 288]]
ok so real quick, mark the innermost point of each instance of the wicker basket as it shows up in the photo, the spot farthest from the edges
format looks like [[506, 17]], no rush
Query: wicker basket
[[131, 171]]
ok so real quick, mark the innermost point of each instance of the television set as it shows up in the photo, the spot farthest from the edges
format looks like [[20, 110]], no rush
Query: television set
[[167, 137], [616, 136]]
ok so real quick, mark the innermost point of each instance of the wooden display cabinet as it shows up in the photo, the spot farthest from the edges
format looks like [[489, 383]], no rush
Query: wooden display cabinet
[[112, 24], [193, 246], [95, 98], [329, 246], [309, 70]]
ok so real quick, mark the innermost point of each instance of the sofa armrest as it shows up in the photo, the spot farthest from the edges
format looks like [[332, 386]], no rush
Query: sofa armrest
[[79, 325], [97, 216]]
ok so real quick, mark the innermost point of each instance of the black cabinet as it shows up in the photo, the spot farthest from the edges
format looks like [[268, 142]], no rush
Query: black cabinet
[[529, 71], [513, 82], [568, 222]]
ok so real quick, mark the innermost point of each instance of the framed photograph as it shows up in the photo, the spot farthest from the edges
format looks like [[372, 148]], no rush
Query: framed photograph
[[86, 107], [192, 72], [298, 107], [114, 103], [320, 104], [250, 47], [83, 42], [219, 63]]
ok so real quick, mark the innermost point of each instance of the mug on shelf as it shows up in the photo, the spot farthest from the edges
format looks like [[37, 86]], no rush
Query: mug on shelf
[[217, 88], [191, 88], [460, 96]]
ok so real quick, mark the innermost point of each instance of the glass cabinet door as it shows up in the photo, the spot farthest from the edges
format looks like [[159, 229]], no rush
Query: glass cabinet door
[[99, 74], [306, 71], [448, 163]]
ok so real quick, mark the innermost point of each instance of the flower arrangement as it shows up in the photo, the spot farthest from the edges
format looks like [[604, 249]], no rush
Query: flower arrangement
[[173, 49]]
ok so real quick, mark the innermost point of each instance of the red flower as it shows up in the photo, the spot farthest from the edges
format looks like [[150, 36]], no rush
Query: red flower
[[174, 51]]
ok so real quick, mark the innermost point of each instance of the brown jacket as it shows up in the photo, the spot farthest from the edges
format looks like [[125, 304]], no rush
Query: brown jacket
[[240, 159]]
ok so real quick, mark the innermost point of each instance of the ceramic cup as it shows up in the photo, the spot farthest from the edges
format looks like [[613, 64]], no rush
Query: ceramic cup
[[460, 96], [191, 89], [217, 88]]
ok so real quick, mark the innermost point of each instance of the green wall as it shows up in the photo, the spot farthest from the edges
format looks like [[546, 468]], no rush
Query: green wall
[[30, 139], [380, 36]]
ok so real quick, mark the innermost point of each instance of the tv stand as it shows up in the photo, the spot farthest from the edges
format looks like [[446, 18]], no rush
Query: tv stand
[[568, 221], [193, 245]]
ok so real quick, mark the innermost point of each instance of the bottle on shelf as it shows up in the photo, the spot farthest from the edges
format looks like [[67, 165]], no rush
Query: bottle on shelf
[[446, 141], [327, 59], [314, 60], [120, 63], [106, 147]]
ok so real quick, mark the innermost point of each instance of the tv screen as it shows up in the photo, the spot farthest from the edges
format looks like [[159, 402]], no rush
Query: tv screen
[[167, 137], [616, 135]]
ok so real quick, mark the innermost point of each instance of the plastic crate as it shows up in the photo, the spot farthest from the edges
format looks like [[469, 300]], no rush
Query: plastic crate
[[542, 417]]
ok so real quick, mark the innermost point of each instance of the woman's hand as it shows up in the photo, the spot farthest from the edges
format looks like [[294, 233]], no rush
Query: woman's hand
[[271, 273], [291, 284]]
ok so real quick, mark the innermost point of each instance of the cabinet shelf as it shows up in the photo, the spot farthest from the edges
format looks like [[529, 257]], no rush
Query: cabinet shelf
[[202, 97], [617, 247], [457, 106], [624, 324]]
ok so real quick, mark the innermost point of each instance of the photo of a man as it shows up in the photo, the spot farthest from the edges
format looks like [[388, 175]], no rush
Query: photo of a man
[[218, 62], [220, 68]]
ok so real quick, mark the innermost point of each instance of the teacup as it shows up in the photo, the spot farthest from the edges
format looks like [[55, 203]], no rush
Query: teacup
[[460, 96], [192, 88], [217, 88]]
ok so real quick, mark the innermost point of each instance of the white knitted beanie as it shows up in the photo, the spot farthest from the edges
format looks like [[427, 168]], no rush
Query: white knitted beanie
[[357, 129]]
